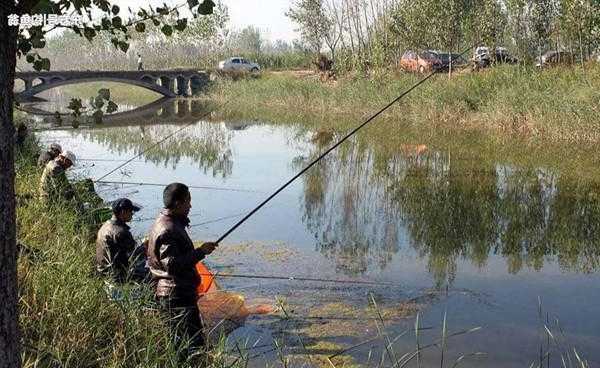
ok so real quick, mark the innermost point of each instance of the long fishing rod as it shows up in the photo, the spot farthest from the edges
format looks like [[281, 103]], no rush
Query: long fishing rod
[[161, 141], [164, 185], [232, 229]]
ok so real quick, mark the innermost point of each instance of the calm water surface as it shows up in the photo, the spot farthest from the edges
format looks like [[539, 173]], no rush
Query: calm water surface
[[482, 242]]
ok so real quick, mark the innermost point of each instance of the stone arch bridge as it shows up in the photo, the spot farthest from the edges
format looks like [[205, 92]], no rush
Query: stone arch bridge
[[169, 83]]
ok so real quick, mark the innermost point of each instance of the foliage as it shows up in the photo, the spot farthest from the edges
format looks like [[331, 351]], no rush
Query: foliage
[[312, 20], [68, 316]]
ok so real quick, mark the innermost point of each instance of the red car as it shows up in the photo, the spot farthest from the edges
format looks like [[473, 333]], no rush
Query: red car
[[424, 62]]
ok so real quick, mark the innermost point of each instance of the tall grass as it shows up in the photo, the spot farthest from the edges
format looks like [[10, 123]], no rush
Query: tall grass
[[558, 105], [67, 318]]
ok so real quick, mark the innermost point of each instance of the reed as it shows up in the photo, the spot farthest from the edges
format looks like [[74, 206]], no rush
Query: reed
[[556, 105]]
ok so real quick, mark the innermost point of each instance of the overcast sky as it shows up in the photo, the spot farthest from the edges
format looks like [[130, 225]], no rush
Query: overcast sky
[[268, 15]]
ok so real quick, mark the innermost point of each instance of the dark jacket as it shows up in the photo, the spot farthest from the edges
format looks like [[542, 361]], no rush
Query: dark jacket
[[172, 258], [46, 157], [114, 245]]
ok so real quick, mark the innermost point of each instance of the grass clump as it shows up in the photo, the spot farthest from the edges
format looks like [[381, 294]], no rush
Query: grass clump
[[67, 318], [560, 104]]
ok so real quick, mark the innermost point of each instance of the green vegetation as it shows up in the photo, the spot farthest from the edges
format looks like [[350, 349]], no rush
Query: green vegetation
[[67, 318], [558, 105]]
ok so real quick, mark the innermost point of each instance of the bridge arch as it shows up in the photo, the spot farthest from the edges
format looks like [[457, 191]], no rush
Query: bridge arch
[[146, 82], [197, 84], [182, 85]]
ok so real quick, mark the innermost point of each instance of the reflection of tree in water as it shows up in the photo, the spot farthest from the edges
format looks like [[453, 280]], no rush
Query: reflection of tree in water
[[206, 143], [446, 210], [348, 211], [470, 210], [357, 201]]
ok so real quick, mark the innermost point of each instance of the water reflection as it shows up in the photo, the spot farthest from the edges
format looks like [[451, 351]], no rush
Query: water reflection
[[166, 110], [351, 216], [358, 204], [207, 144]]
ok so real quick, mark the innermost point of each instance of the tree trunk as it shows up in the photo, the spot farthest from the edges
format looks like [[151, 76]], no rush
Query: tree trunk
[[10, 341]]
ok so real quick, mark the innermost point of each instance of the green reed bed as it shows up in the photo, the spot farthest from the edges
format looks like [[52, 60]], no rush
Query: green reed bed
[[559, 104]]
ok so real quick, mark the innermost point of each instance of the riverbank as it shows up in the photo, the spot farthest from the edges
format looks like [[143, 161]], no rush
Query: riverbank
[[554, 105], [67, 318]]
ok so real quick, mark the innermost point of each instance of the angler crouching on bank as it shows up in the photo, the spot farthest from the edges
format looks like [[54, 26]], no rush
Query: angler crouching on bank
[[50, 154], [115, 243], [54, 184], [172, 260]]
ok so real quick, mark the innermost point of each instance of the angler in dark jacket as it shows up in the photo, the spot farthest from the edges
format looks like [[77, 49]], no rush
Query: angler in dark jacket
[[172, 260], [114, 243], [49, 155]]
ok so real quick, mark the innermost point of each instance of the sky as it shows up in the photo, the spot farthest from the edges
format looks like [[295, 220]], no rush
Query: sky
[[268, 15]]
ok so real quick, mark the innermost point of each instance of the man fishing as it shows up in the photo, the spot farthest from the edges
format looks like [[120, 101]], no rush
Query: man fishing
[[50, 154], [115, 243], [54, 184], [172, 260]]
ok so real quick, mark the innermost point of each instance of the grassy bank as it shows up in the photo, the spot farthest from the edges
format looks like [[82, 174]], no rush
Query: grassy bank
[[557, 105], [67, 319]]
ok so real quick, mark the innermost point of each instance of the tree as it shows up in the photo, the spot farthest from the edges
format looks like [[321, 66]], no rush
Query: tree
[[16, 43], [250, 40], [542, 17], [312, 20]]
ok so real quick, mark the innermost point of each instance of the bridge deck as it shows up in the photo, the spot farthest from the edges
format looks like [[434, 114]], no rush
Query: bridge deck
[[98, 73]]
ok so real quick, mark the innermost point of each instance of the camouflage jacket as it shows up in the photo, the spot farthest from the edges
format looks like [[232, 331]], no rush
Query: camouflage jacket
[[45, 158], [54, 184]]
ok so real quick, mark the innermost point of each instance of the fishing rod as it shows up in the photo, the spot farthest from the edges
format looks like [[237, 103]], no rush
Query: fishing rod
[[161, 141], [164, 185], [232, 229], [103, 160]]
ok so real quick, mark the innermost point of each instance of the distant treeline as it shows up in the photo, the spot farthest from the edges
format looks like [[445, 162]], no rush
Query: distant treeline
[[374, 33], [357, 34]]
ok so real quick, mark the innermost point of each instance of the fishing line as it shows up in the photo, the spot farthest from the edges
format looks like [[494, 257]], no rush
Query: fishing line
[[219, 219], [293, 278], [161, 141], [104, 160], [164, 185], [328, 151]]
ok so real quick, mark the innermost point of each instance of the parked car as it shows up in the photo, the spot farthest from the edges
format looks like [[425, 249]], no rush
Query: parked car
[[423, 62], [457, 60], [430, 60], [238, 64], [482, 58], [555, 58]]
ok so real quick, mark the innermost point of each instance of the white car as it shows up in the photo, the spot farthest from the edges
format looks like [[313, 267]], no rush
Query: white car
[[238, 64]]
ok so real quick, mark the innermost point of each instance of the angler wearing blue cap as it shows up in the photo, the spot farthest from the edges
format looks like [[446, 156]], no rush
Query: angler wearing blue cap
[[114, 243]]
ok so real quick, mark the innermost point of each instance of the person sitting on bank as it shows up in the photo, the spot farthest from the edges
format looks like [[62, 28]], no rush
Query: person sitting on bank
[[50, 154], [114, 243], [172, 260], [21, 134], [54, 184]]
